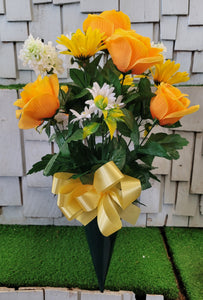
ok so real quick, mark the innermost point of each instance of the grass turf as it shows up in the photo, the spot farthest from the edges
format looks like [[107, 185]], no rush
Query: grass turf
[[186, 249], [59, 256]]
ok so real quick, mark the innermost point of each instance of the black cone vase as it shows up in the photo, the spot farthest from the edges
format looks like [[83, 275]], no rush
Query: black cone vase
[[101, 249]]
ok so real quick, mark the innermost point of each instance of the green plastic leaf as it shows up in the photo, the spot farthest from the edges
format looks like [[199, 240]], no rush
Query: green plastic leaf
[[49, 166], [90, 129], [164, 145], [76, 136], [135, 134], [80, 78], [119, 157], [40, 165], [128, 118]]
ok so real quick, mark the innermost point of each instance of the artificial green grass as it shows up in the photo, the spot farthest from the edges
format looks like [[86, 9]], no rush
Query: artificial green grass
[[59, 256], [186, 247]]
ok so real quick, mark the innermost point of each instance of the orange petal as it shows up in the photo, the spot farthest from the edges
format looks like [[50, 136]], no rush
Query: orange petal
[[42, 106], [119, 19], [121, 52], [27, 122], [159, 106], [184, 112], [97, 22], [53, 79], [143, 64]]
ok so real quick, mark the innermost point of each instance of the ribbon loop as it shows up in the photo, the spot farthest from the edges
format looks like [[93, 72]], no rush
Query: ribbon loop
[[109, 198]]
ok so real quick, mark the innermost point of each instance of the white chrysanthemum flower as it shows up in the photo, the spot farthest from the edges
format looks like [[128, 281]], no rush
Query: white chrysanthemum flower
[[40, 57], [106, 92], [86, 114]]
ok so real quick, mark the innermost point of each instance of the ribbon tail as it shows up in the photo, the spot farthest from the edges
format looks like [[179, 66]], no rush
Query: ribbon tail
[[87, 217], [108, 217], [130, 214]]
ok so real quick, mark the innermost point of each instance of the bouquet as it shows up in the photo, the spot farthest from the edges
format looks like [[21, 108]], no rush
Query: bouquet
[[119, 88]]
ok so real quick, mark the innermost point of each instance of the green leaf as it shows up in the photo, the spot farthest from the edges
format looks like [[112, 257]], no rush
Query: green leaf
[[40, 165], [49, 166], [90, 129], [76, 136], [123, 129], [135, 134], [164, 145], [128, 118], [79, 77], [154, 149], [119, 157]]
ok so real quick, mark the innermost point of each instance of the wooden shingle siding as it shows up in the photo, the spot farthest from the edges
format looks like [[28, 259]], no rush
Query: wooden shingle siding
[[177, 200]]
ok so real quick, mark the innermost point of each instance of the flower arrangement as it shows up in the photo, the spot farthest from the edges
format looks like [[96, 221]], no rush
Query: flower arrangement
[[103, 117]]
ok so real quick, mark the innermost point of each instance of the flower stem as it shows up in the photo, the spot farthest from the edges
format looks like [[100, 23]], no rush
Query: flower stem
[[154, 123]]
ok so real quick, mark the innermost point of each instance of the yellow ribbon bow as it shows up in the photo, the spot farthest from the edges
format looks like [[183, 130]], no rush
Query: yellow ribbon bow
[[109, 198]]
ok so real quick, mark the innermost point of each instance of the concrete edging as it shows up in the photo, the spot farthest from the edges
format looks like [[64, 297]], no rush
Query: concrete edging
[[49, 293]]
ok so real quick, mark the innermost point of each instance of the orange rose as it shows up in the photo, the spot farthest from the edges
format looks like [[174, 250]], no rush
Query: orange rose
[[169, 105], [39, 100], [107, 22], [131, 51]]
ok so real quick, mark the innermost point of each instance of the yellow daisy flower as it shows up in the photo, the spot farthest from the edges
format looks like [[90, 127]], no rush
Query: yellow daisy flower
[[128, 79], [167, 72], [83, 45]]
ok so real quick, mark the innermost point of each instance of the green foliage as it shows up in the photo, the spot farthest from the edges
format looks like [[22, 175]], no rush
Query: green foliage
[[164, 145], [108, 129]]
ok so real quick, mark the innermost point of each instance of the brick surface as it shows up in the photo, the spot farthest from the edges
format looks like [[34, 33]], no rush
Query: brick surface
[[42, 25], [39, 202], [2, 7], [12, 31], [188, 36], [21, 11], [98, 6], [198, 62], [181, 168], [168, 26], [8, 67], [72, 18], [62, 294], [34, 150], [196, 16], [10, 151], [145, 29], [174, 7], [22, 295], [10, 191], [141, 11]]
